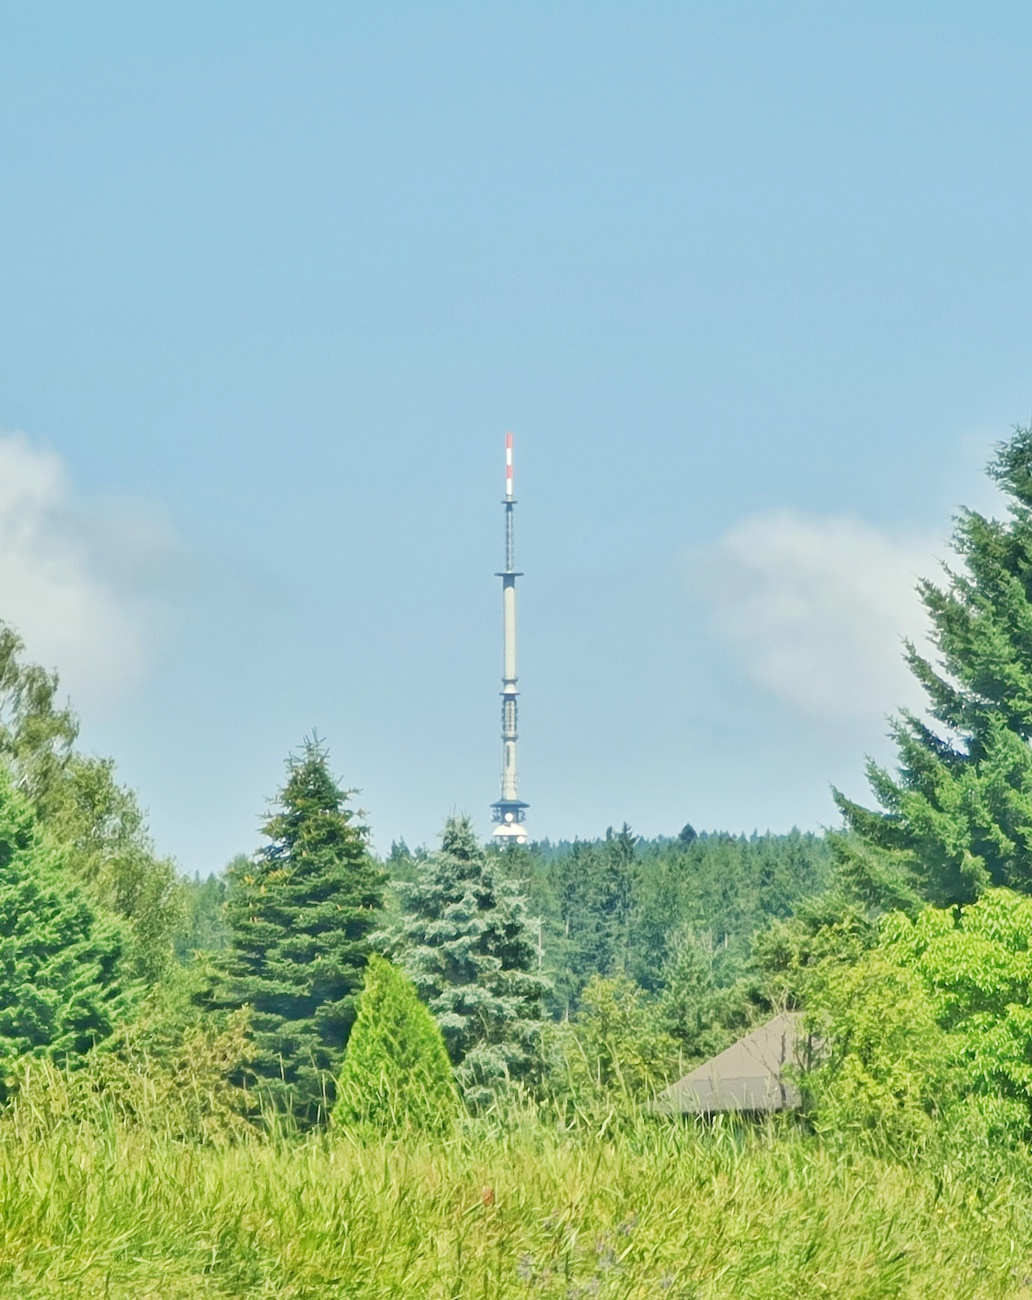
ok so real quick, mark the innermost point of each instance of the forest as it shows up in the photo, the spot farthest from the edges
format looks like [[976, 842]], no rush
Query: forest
[[431, 1073]]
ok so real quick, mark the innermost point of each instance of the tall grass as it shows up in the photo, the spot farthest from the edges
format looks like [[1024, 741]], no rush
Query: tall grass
[[100, 1209]]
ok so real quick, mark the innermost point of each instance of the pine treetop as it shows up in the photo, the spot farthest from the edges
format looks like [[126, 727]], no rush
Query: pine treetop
[[957, 816], [300, 913]]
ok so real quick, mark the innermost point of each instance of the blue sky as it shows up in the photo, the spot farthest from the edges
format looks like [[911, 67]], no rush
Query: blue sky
[[751, 283]]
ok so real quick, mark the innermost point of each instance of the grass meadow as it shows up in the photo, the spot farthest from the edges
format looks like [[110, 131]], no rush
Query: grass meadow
[[101, 1209]]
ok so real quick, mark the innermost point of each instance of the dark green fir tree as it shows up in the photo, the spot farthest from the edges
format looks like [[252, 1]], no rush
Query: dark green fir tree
[[957, 816], [595, 884], [62, 987], [473, 956], [299, 916]]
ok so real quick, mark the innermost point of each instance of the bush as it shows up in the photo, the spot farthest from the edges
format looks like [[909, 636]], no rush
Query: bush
[[976, 963], [888, 1068], [396, 1074], [177, 1091], [935, 1018], [615, 1055], [167, 1071]]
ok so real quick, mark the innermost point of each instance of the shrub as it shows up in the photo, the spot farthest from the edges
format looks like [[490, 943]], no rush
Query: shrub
[[888, 1067], [937, 1011], [615, 1054], [396, 1073], [172, 1084], [976, 963]]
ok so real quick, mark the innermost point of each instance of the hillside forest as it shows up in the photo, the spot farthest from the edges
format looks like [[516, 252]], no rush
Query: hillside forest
[[325, 1072]]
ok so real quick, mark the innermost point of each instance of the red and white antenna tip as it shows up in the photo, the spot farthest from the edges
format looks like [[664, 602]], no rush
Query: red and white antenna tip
[[508, 465]]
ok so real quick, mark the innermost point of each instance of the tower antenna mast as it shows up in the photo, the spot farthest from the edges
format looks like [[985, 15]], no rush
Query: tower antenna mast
[[509, 810]]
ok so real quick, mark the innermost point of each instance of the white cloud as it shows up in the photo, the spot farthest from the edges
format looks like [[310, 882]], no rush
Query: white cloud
[[64, 584], [816, 608]]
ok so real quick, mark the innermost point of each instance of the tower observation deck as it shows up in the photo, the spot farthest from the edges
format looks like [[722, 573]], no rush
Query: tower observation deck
[[509, 810]]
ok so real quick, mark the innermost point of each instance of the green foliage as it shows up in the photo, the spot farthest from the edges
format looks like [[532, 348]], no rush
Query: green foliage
[[594, 886], [471, 953], [701, 1016], [958, 817], [724, 887], [36, 736], [402, 864], [831, 930], [622, 905], [977, 966], [937, 1011], [165, 1070], [97, 823], [396, 1074], [61, 979], [170, 1067], [203, 928], [103, 833], [300, 916], [626, 1042], [888, 1068], [616, 1054]]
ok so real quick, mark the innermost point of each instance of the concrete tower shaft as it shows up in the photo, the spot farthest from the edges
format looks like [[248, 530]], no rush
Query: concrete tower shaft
[[509, 810]]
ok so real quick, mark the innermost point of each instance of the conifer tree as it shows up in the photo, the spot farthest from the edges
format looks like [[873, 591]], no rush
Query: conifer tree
[[957, 817], [396, 1073], [299, 916], [472, 956], [596, 885], [61, 977], [79, 805]]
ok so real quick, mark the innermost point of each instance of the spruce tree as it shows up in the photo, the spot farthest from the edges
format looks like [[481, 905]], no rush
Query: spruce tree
[[299, 916], [596, 885], [396, 1074], [472, 956], [62, 989], [957, 817]]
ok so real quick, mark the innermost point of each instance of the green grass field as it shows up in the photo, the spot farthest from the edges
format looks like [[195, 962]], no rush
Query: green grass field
[[666, 1211]]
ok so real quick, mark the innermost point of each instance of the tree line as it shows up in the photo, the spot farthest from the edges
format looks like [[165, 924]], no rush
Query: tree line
[[504, 946], [313, 978]]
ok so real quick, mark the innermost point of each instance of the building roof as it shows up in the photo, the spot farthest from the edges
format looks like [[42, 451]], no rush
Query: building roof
[[747, 1077]]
